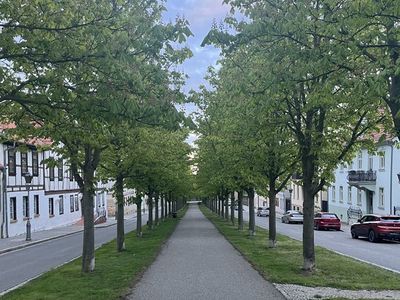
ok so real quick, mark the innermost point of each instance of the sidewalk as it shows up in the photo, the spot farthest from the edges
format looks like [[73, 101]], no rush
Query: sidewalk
[[18, 242], [198, 263]]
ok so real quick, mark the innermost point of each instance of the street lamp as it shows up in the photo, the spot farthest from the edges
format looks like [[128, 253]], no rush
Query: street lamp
[[28, 180]]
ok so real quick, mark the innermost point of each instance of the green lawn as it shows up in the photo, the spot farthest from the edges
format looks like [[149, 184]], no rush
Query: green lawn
[[283, 264], [114, 274]]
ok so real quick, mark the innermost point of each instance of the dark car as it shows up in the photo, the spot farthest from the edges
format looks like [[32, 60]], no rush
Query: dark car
[[326, 220], [377, 227]]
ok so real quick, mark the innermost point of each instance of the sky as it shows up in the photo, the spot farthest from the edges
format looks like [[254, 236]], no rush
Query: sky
[[201, 14]]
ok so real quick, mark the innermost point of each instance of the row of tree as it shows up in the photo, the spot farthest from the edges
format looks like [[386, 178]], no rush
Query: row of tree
[[301, 86], [98, 78]]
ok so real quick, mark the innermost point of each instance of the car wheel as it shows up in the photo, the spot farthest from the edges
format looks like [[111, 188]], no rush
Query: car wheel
[[372, 237], [354, 234], [317, 227], [283, 221]]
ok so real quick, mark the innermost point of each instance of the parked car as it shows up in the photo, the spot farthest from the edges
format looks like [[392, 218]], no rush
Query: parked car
[[263, 211], [377, 227], [292, 216], [326, 220]]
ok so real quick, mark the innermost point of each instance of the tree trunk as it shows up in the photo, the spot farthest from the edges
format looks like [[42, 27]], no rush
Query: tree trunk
[[156, 198], [308, 168], [221, 200], [226, 198], [233, 208], [162, 206], [252, 218], [272, 215], [150, 207], [119, 195], [87, 187], [240, 210], [139, 217]]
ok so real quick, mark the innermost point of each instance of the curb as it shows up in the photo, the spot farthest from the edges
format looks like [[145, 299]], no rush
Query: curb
[[6, 250]]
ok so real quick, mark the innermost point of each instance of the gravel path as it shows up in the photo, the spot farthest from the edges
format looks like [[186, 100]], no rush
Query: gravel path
[[198, 263], [297, 292]]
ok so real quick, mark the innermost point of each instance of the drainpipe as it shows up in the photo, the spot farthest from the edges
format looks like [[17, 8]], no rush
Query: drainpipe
[[391, 178]]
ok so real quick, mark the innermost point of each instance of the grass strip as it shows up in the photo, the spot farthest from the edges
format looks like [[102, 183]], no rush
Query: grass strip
[[115, 271], [283, 263]]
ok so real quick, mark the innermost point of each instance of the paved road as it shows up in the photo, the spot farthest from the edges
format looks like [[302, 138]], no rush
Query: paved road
[[385, 254], [198, 263], [27, 263]]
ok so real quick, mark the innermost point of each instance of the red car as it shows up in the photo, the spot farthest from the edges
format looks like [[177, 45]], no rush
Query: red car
[[326, 220], [377, 227]]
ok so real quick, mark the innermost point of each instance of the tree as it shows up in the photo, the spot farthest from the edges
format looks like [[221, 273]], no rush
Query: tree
[[91, 64], [328, 108]]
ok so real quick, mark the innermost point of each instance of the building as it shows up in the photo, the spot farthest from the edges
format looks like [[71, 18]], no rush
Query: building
[[52, 198], [129, 208], [297, 199], [369, 184]]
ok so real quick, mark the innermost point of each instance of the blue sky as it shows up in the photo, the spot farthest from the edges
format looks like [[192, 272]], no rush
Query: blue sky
[[200, 14]]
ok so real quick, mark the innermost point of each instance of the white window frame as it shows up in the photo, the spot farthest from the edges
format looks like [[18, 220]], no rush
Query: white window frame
[[370, 162], [61, 205], [36, 205], [359, 197], [359, 160], [333, 193], [381, 197], [382, 160], [341, 194], [25, 207], [349, 194]]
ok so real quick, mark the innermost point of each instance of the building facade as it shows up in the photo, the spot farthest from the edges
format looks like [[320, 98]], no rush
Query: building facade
[[52, 198], [369, 184]]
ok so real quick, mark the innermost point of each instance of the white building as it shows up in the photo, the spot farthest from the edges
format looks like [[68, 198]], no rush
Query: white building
[[52, 199], [369, 184], [320, 199]]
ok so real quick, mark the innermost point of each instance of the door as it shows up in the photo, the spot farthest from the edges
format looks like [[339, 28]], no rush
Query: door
[[288, 205], [324, 206], [369, 199]]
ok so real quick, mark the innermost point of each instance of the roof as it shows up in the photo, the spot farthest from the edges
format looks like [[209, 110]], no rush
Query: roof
[[34, 141]]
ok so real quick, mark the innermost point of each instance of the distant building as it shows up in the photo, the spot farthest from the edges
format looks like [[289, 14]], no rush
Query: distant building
[[52, 199], [369, 184]]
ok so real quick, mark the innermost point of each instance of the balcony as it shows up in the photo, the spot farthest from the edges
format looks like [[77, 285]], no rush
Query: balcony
[[364, 180]]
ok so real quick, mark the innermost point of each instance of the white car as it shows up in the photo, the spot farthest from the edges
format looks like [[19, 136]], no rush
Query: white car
[[292, 216], [263, 211]]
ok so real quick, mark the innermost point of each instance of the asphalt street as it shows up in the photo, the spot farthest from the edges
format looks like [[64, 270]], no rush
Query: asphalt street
[[384, 254], [198, 263], [21, 265]]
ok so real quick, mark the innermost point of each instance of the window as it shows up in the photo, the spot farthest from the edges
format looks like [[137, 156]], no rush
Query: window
[[51, 207], [341, 167], [76, 203], [51, 173], [35, 163], [382, 161], [341, 194], [70, 175], [381, 198], [25, 208], [13, 209], [60, 170], [71, 203], [360, 160], [12, 169], [349, 201], [61, 205], [333, 194], [358, 197], [36, 205], [370, 162], [24, 163]]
